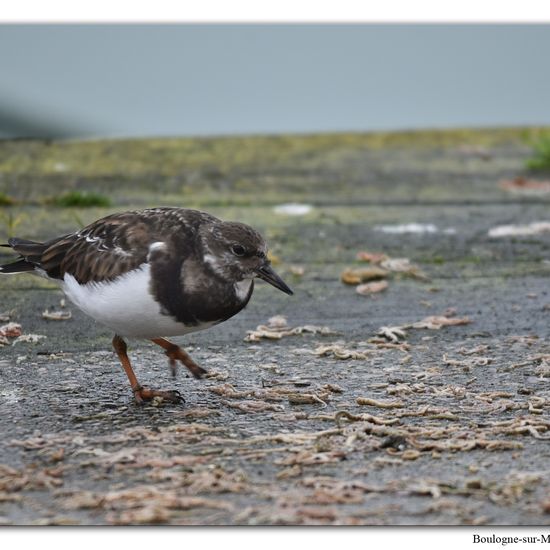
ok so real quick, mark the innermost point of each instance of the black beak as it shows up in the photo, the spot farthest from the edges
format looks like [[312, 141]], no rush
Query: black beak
[[269, 276]]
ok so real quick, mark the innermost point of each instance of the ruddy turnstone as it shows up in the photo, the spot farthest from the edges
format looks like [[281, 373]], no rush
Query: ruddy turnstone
[[153, 273]]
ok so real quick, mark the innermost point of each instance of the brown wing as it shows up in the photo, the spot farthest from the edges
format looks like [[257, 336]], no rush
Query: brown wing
[[111, 246], [101, 251], [120, 243]]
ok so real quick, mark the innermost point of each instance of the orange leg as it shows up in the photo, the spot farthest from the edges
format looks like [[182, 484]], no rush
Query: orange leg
[[140, 393], [174, 353]]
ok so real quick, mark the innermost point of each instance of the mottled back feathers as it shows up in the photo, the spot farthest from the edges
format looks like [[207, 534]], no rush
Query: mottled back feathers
[[113, 245]]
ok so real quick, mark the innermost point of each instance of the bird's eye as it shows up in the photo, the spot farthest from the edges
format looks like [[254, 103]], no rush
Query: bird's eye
[[238, 250]]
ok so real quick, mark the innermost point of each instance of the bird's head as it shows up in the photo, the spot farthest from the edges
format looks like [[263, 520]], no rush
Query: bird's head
[[235, 252]]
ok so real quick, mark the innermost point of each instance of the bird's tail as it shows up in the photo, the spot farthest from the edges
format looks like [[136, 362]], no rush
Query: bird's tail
[[30, 253]]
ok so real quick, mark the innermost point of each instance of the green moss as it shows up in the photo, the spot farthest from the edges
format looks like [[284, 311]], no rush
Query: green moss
[[215, 158], [5, 200], [540, 161], [80, 199], [9, 221], [472, 260], [435, 260]]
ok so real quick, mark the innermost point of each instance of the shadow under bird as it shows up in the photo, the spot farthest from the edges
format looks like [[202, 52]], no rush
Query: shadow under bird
[[151, 274]]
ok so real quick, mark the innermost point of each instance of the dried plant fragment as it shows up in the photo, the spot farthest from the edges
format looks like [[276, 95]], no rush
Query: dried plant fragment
[[362, 418], [292, 471], [56, 315], [473, 351], [339, 352], [227, 390], [11, 330], [393, 334], [297, 270], [435, 322], [216, 375], [253, 406], [355, 276], [389, 265], [148, 515], [404, 266], [410, 454], [278, 328], [306, 399], [215, 481], [371, 257], [333, 388], [366, 289], [381, 404], [29, 338], [308, 458], [473, 362]]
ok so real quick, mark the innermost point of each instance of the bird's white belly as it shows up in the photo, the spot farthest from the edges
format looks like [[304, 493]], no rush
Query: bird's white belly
[[126, 305]]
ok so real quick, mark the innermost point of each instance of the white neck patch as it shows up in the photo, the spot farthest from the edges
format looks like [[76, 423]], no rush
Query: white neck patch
[[242, 288]]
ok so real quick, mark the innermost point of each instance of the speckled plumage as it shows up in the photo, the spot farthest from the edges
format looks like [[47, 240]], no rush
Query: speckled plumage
[[155, 272]]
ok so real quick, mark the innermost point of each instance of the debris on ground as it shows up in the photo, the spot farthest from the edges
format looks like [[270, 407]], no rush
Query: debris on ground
[[10, 330], [338, 351], [435, 322], [15, 330], [404, 266], [29, 338], [396, 404], [277, 328], [296, 270], [358, 275], [194, 469], [525, 186], [432, 322], [375, 258], [382, 267], [392, 334], [367, 289], [59, 315]]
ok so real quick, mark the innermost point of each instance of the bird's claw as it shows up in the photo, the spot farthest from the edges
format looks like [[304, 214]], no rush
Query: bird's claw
[[145, 394]]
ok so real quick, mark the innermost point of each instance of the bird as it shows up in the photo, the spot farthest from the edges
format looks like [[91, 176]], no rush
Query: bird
[[153, 274]]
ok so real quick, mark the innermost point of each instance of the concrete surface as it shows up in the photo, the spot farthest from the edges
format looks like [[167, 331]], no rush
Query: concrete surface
[[441, 427]]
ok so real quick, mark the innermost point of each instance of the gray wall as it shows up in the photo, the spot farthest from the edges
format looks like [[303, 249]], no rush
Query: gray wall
[[147, 80]]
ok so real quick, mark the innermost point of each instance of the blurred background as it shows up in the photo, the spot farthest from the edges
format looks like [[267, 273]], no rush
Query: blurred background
[[81, 81]]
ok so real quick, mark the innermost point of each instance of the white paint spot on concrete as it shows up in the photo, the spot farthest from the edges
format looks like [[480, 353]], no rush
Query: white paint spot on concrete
[[418, 228], [534, 228], [293, 209]]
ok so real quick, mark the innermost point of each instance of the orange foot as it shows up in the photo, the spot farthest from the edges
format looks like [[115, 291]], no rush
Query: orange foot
[[175, 353], [141, 394]]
